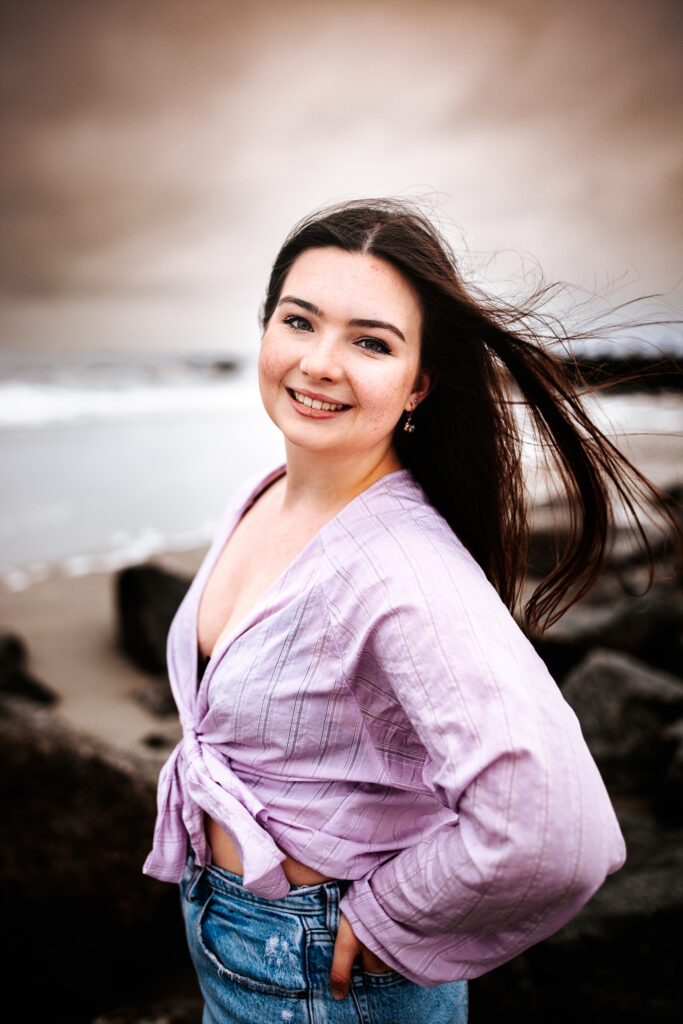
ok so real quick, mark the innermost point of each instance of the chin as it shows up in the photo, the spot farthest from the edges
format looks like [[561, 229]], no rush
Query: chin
[[306, 444]]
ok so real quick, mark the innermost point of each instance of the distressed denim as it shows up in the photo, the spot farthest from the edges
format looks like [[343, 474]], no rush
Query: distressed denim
[[263, 961]]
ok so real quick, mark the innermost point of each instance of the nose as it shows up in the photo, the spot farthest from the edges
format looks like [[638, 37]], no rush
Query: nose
[[321, 360]]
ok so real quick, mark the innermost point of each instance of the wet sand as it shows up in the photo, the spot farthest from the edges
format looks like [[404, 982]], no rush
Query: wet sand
[[69, 627]]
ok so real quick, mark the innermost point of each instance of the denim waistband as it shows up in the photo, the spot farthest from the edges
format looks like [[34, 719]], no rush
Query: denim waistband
[[312, 900]]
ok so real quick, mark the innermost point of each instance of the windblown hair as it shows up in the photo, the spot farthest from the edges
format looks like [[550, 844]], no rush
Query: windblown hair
[[466, 452]]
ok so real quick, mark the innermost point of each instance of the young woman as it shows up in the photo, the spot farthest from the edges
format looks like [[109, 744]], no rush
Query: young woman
[[381, 790]]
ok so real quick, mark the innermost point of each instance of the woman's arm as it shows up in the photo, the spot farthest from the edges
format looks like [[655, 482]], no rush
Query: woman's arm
[[533, 832]]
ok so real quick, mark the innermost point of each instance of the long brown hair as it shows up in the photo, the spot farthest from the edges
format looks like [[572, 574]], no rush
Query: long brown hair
[[466, 452]]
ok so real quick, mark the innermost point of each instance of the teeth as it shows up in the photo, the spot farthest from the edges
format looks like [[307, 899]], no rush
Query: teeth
[[313, 403]]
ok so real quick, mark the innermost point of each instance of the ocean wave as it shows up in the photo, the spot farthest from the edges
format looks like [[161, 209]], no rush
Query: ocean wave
[[630, 415], [125, 550], [28, 404], [622, 415]]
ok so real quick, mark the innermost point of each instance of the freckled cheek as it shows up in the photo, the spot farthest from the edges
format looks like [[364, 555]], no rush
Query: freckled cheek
[[270, 366], [383, 406], [384, 397]]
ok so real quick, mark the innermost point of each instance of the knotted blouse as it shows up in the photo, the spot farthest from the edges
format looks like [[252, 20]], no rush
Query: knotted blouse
[[380, 717]]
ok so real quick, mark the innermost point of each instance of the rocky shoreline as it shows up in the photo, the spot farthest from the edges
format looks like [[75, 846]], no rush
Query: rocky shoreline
[[79, 814]]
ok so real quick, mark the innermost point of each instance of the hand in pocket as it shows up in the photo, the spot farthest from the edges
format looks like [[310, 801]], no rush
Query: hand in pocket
[[347, 948]]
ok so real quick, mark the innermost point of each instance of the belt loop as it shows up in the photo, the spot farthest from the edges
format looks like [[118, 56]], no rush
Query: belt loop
[[190, 892], [332, 908]]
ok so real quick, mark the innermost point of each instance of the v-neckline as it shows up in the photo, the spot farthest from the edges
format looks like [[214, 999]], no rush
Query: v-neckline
[[220, 649], [260, 489]]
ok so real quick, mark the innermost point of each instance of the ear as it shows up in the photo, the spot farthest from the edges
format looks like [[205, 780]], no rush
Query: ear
[[423, 385]]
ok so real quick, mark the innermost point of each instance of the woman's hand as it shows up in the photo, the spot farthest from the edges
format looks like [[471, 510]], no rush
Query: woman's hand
[[346, 949]]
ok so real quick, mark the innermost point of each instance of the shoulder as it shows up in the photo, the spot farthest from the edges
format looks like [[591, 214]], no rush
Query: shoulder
[[391, 539], [395, 571], [246, 493], [408, 598], [253, 486]]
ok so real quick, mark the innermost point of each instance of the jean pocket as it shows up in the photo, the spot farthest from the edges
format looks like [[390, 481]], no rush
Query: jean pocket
[[391, 998], [383, 979], [253, 946]]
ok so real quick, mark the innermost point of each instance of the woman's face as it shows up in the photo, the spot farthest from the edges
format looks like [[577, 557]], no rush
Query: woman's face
[[340, 357]]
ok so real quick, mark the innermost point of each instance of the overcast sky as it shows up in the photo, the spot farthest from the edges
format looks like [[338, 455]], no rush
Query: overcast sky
[[155, 152]]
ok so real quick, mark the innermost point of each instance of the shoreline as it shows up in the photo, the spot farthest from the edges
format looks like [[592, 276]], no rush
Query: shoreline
[[69, 627]]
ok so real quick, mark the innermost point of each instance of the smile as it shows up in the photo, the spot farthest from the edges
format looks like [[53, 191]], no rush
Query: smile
[[314, 403]]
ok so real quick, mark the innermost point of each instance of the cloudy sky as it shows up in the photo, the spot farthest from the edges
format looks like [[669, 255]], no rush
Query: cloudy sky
[[156, 151]]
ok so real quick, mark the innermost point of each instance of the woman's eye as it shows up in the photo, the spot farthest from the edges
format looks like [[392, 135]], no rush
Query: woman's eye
[[298, 323], [374, 345]]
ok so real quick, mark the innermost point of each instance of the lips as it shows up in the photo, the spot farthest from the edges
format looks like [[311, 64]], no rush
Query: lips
[[316, 402]]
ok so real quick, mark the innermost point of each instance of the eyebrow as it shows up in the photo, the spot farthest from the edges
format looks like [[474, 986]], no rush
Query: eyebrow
[[378, 323], [300, 302], [356, 322]]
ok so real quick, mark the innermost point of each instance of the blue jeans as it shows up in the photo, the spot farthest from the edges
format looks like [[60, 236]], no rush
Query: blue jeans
[[265, 961]]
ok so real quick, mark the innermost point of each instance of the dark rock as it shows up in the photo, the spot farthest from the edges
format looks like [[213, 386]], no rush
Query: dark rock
[[649, 627], [617, 960], [624, 706], [212, 364], [628, 553], [170, 1011], [12, 655], [546, 545], [669, 796], [560, 656], [155, 695], [147, 598], [156, 741], [77, 825], [15, 679]]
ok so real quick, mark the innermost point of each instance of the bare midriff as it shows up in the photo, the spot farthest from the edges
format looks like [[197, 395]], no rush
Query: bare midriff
[[225, 856]]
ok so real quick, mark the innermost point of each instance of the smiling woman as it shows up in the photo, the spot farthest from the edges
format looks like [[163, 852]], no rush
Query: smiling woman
[[324, 367], [380, 792]]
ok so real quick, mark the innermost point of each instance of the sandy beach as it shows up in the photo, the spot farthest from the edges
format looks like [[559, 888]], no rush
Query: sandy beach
[[68, 625]]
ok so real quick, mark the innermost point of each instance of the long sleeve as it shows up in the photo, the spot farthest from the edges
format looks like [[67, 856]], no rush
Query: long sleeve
[[380, 717], [533, 833]]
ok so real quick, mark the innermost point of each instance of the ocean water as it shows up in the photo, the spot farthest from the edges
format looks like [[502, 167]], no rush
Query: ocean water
[[105, 462]]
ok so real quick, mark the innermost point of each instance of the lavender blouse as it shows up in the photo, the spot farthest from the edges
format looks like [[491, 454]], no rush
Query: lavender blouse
[[380, 717]]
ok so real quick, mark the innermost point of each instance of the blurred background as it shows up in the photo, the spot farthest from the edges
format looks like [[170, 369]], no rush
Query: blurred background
[[155, 154]]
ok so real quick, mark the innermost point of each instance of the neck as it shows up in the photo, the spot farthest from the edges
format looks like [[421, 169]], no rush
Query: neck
[[332, 481]]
